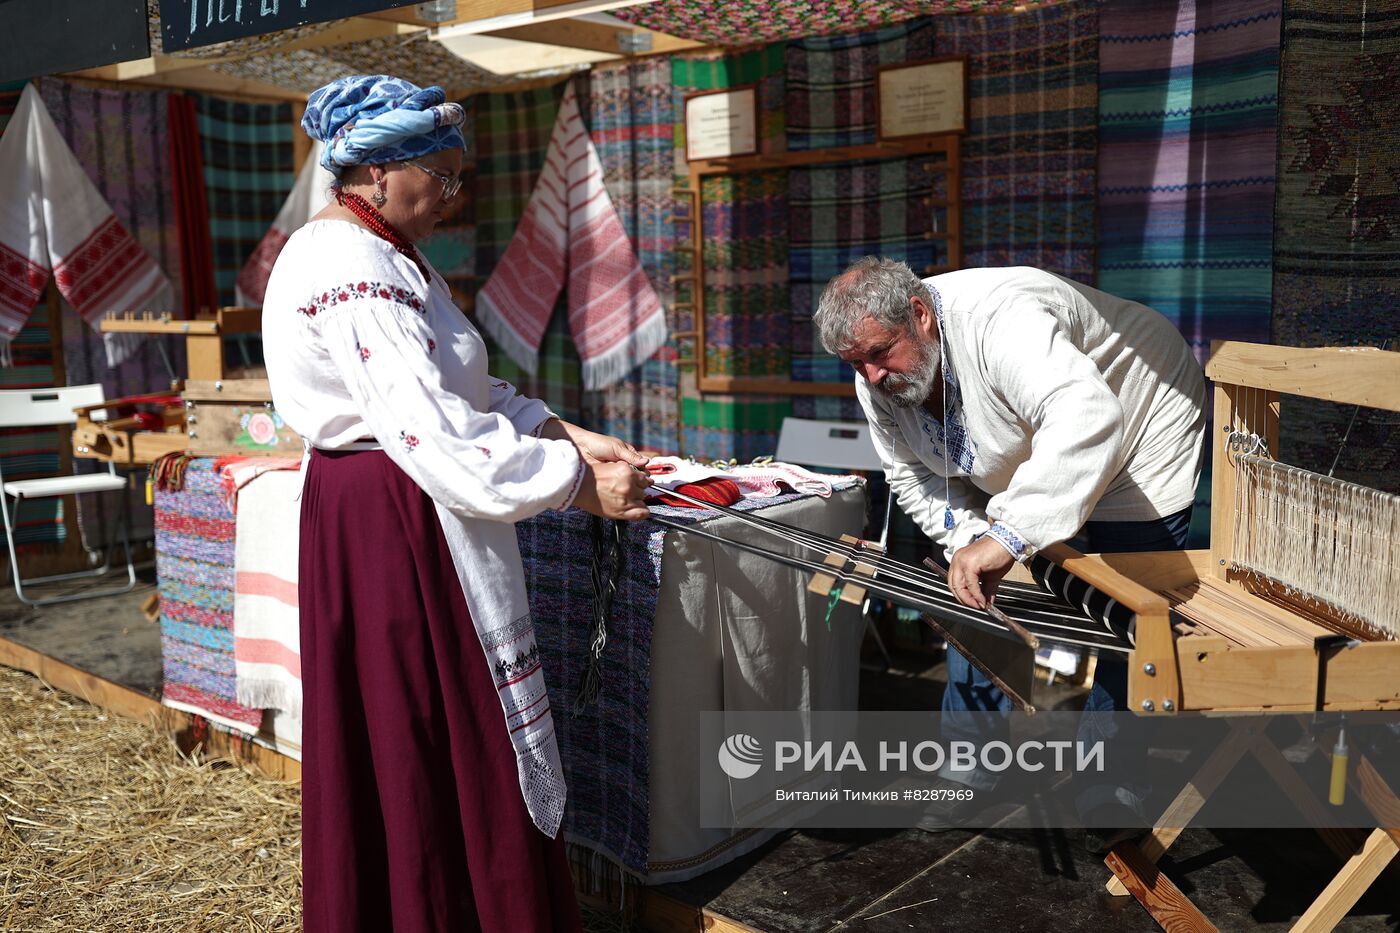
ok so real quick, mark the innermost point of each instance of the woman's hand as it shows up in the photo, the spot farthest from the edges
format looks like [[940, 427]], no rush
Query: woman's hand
[[595, 448], [604, 448], [613, 490]]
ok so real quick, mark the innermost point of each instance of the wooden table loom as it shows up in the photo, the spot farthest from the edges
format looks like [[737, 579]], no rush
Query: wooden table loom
[[1223, 630]]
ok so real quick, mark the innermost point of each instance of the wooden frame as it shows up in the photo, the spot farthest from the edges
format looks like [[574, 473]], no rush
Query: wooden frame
[[1253, 674], [925, 68], [945, 146], [746, 96]]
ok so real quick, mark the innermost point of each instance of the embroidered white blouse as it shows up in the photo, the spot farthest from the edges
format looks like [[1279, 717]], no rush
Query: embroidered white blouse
[[1064, 404], [360, 347]]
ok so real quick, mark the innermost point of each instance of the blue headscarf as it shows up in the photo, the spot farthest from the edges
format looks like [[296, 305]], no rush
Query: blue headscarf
[[369, 119]]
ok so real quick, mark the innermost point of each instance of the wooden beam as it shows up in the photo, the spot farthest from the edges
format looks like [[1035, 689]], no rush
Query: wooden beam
[[1155, 891], [1349, 375], [1349, 884], [214, 82], [1094, 570], [469, 11], [598, 37], [1159, 570], [354, 29]]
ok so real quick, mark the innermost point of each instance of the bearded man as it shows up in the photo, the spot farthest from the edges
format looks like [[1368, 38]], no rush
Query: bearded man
[[1014, 409]]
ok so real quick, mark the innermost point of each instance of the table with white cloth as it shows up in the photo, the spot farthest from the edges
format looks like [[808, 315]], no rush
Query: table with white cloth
[[695, 626]]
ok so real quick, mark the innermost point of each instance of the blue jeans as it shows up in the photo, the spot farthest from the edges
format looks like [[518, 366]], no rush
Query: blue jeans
[[969, 691]]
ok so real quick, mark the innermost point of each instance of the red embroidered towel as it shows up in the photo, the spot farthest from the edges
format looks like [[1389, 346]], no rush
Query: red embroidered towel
[[53, 219], [570, 228]]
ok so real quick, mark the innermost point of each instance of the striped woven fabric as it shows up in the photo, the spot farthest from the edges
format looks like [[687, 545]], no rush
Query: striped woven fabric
[[839, 213], [831, 89], [745, 254], [1188, 112], [33, 452], [512, 137], [1029, 155], [1337, 220], [631, 117], [248, 172], [195, 580], [747, 321], [30, 451], [604, 747]]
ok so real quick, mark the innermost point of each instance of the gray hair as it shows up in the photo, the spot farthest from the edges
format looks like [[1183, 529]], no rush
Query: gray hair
[[870, 287]]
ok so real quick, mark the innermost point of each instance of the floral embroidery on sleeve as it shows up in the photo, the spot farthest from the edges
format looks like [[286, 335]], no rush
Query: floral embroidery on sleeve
[[432, 345], [364, 352], [344, 293], [408, 440]]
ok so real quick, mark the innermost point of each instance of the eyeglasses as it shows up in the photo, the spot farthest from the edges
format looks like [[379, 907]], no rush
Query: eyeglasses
[[451, 184]]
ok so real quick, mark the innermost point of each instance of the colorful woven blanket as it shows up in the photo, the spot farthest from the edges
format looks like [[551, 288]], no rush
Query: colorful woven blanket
[[247, 175], [1188, 110], [512, 137], [831, 82], [195, 579], [309, 194], [1031, 149], [1337, 220], [631, 119]]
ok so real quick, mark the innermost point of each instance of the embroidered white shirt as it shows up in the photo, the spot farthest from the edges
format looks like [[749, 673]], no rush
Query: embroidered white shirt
[[358, 345], [1064, 404]]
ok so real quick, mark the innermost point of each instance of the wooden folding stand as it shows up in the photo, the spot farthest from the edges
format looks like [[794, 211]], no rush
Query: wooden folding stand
[[1238, 643]]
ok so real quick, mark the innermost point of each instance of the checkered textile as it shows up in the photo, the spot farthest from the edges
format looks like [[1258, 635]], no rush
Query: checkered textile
[[247, 175], [831, 82], [1030, 153]]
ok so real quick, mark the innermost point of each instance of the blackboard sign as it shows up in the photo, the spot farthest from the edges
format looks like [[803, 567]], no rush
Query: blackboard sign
[[45, 37], [188, 24]]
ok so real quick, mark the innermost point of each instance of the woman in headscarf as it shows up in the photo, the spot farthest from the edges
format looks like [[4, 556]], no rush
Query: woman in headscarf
[[431, 786]]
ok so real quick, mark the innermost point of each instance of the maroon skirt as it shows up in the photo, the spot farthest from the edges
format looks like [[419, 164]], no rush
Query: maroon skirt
[[412, 818]]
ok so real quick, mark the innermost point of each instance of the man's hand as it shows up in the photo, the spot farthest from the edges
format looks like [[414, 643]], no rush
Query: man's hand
[[976, 572]]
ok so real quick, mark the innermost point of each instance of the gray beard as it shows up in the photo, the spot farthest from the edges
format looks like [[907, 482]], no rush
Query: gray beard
[[910, 389]]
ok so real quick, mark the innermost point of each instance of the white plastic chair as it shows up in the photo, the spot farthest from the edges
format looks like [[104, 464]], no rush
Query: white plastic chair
[[841, 445], [24, 408]]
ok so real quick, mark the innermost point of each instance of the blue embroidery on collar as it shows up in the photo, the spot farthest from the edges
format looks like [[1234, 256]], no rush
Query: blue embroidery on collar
[[952, 437]]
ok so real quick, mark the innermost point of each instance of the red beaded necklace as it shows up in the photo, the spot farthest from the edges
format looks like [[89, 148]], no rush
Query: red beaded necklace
[[380, 227]]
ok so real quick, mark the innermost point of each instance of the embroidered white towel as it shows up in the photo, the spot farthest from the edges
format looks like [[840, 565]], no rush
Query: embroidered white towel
[[53, 219], [570, 228]]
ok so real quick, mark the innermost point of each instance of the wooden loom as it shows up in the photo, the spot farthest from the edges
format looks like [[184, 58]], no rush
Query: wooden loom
[[1211, 635], [1208, 635]]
